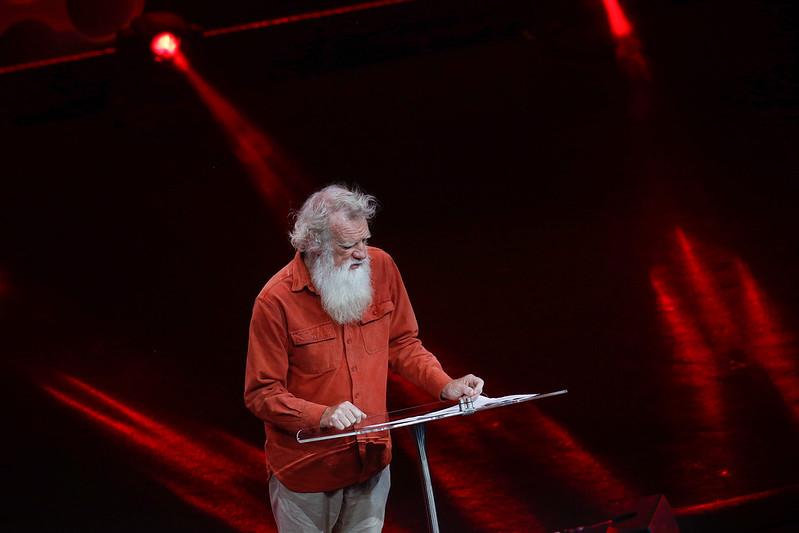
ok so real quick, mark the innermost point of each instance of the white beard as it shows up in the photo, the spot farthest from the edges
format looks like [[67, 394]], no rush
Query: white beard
[[345, 293]]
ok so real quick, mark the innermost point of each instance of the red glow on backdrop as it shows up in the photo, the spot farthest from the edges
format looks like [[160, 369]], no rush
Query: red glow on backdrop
[[619, 24], [694, 364], [768, 342], [460, 463], [698, 320], [714, 288], [555, 449], [165, 46], [756, 332], [715, 313], [268, 169], [628, 47], [217, 477], [485, 499], [483, 496], [569, 460]]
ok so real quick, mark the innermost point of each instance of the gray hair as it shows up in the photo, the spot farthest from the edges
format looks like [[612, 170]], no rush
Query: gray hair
[[312, 225]]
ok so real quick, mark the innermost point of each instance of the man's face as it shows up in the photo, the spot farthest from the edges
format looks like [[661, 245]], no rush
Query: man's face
[[349, 240]]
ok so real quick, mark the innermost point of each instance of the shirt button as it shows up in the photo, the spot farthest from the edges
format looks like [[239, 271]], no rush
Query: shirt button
[[357, 395], [349, 340], [354, 369]]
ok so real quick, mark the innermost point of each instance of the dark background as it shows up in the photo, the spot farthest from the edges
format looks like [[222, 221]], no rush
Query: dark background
[[530, 184]]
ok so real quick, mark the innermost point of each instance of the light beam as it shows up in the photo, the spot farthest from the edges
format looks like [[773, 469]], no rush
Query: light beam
[[215, 478]]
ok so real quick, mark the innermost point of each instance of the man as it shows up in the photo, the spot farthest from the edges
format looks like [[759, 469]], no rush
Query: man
[[325, 331]]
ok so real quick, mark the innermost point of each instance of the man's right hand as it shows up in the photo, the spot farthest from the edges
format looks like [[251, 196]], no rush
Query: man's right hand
[[341, 416]]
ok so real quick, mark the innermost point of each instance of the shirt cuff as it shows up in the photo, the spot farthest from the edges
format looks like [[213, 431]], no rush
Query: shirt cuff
[[436, 383], [312, 414]]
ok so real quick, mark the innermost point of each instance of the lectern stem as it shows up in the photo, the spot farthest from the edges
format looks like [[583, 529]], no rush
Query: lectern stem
[[427, 483]]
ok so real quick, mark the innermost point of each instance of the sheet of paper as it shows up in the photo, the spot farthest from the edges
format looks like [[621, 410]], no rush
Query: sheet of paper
[[481, 402]]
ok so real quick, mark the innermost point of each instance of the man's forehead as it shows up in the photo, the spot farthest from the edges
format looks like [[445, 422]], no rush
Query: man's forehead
[[345, 228]]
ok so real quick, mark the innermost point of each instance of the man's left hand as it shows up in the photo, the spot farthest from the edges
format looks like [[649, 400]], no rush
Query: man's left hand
[[469, 386]]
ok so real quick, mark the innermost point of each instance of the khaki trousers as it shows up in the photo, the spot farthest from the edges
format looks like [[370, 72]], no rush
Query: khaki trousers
[[357, 508]]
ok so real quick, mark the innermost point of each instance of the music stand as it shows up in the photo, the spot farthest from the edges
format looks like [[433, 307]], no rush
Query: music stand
[[415, 418]]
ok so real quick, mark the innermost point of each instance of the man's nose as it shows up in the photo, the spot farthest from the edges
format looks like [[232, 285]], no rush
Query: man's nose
[[360, 251]]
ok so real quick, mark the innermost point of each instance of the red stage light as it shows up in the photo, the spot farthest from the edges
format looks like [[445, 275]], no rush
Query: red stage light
[[628, 48], [619, 24], [165, 45]]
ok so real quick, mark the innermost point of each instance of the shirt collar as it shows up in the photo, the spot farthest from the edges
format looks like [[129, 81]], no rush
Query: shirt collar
[[301, 277]]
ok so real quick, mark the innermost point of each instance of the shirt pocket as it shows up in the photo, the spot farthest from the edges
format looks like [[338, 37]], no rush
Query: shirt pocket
[[315, 349], [376, 325]]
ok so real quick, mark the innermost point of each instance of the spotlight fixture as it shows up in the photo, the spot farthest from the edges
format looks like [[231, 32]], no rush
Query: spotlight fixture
[[157, 35], [165, 45]]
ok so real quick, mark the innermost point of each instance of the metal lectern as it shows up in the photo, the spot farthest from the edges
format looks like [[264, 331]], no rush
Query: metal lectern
[[415, 418]]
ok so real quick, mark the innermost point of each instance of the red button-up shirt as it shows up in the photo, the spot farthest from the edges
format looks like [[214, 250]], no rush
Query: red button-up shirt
[[299, 362]]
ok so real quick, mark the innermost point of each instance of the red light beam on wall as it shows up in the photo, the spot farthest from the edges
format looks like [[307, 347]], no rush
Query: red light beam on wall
[[558, 450], [715, 313], [486, 500], [269, 171], [628, 47], [714, 289], [569, 459], [768, 342], [695, 364], [209, 478], [460, 455], [619, 24]]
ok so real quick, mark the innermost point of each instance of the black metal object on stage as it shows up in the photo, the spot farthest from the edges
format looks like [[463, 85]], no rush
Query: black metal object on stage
[[649, 514]]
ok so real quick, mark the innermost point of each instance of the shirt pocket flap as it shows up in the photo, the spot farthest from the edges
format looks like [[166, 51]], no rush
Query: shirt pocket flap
[[377, 311], [322, 332]]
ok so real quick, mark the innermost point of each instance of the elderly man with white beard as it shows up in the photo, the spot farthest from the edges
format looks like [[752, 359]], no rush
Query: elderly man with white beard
[[325, 331]]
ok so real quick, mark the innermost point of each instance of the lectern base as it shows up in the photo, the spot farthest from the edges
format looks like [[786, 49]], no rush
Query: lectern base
[[418, 431]]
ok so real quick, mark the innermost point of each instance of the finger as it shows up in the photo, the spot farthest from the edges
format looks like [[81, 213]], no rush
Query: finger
[[454, 390], [349, 417], [473, 380], [478, 386], [341, 416], [337, 423]]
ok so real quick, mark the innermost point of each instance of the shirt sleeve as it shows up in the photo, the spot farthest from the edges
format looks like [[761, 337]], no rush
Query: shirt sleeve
[[265, 392], [407, 356]]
